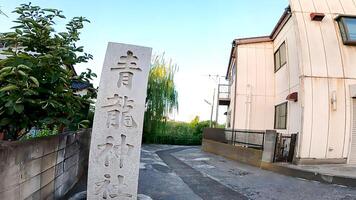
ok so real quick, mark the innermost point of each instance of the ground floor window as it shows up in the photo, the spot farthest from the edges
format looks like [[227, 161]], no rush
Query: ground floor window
[[280, 116]]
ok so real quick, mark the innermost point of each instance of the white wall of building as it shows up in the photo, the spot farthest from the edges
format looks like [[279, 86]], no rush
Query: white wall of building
[[319, 67], [327, 66], [255, 87], [287, 77]]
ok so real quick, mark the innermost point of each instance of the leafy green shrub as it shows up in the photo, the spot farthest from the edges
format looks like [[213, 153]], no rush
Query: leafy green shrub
[[199, 128], [36, 75]]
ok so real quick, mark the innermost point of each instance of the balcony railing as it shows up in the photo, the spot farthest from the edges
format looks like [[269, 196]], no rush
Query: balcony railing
[[224, 94]]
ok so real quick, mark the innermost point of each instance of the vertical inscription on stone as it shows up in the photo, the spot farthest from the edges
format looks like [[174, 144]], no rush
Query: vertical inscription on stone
[[120, 112], [118, 123], [127, 65]]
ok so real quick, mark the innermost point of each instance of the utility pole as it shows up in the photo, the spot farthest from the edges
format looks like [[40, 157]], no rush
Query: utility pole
[[212, 110], [217, 102], [216, 78]]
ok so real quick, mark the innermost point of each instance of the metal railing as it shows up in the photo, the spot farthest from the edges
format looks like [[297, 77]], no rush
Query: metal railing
[[246, 138], [284, 147]]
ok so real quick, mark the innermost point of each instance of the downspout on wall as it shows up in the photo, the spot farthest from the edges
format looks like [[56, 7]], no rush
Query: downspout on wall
[[248, 106], [235, 80]]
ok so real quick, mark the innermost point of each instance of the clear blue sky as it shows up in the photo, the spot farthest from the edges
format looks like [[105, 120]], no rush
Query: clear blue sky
[[195, 34]]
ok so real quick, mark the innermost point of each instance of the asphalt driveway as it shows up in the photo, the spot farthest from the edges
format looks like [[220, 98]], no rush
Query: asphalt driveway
[[187, 173]]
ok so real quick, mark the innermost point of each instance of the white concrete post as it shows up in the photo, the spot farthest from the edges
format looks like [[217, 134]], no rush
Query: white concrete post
[[118, 123]]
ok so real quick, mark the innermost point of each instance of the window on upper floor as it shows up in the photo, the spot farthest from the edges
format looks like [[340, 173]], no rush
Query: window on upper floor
[[347, 26], [280, 116], [232, 74], [280, 57]]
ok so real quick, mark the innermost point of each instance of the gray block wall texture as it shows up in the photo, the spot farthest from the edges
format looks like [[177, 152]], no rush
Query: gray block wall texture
[[43, 168]]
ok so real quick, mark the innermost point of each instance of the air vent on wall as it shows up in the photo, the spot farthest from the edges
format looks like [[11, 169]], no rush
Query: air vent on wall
[[317, 16]]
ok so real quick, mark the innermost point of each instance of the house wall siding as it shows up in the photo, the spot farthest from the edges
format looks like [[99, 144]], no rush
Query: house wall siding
[[255, 87], [287, 77], [327, 67], [318, 67]]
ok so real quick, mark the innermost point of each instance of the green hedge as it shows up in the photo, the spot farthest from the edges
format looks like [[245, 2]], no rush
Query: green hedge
[[174, 139], [178, 133]]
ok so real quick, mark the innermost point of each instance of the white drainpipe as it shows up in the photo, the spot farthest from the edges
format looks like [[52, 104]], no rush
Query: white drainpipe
[[248, 111], [248, 106]]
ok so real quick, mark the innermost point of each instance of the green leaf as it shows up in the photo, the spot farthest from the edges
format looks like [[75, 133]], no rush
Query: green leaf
[[4, 121], [16, 27], [35, 81], [5, 69], [18, 31], [7, 53], [31, 101], [50, 10], [9, 104], [19, 100], [24, 67], [64, 80], [22, 73], [24, 55], [9, 87], [45, 106], [84, 124], [19, 108]]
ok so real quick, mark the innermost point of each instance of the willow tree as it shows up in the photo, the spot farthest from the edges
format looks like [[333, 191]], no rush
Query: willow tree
[[162, 96]]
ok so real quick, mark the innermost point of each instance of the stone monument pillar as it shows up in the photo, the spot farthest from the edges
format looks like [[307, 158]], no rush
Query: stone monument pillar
[[118, 123]]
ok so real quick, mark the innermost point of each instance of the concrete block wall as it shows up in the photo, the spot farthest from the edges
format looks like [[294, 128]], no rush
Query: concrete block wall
[[43, 168], [242, 154]]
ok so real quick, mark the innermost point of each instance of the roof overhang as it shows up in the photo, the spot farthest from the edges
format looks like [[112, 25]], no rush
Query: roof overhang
[[252, 40], [231, 57], [287, 14]]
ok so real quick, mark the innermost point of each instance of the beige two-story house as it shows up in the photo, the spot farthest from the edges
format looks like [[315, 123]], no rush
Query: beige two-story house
[[300, 79]]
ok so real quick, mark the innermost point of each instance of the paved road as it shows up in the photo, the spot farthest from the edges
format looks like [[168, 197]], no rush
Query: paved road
[[204, 186], [190, 174]]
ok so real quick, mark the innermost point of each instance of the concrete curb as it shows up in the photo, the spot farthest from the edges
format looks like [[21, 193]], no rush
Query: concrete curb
[[309, 175]]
